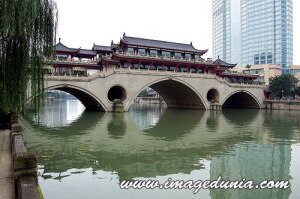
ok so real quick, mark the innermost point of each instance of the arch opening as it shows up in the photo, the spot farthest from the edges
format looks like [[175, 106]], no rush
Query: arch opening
[[90, 103], [178, 95], [117, 93], [212, 96], [241, 100]]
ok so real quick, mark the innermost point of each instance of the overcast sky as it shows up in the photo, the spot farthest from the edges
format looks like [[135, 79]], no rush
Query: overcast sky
[[84, 22]]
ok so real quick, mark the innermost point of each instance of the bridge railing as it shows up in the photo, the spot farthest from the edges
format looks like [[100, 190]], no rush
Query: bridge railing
[[67, 60], [138, 55]]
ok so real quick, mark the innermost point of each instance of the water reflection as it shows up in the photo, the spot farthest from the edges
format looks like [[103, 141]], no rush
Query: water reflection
[[146, 116], [59, 112], [181, 124], [159, 143], [117, 126]]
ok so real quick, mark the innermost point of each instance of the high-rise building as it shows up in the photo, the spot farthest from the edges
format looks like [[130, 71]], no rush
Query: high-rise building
[[253, 31]]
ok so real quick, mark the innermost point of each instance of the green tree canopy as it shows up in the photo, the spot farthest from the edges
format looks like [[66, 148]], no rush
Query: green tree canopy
[[283, 85], [27, 34]]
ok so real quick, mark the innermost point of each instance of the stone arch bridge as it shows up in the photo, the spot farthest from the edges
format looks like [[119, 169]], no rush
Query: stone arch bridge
[[179, 90]]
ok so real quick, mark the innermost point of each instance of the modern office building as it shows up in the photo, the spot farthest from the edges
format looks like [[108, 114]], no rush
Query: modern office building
[[250, 32]]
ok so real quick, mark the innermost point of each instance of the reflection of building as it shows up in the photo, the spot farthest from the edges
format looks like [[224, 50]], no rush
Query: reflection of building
[[54, 114], [61, 109], [257, 162], [152, 93], [265, 71], [253, 32]]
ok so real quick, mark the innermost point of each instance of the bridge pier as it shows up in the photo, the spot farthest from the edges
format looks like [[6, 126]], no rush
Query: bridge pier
[[215, 106]]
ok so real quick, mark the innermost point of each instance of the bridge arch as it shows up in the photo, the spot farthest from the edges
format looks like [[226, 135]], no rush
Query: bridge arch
[[89, 100], [241, 99], [176, 93]]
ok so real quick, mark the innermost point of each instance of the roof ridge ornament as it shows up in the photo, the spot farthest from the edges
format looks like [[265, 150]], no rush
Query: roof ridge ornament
[[59, 39], [124, 34]]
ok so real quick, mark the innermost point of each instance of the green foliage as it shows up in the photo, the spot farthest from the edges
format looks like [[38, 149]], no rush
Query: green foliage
[[283, 86], [296, 91], [27, 34], [143, 93]]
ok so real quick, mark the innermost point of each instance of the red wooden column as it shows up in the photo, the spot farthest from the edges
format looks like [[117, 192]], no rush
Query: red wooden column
[[128, 64], [105, 65], [204, 69], [177, 67]]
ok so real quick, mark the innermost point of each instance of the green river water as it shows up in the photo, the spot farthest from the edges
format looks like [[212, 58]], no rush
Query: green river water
[[86, 155]]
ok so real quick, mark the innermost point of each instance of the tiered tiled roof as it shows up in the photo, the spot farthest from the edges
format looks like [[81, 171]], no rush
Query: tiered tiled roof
[[151, 43], [221, 63], [102, 48], [62, 48], [87, 52]]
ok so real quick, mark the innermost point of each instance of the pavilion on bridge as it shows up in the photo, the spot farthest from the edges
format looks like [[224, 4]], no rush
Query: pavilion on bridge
[[141, 54]]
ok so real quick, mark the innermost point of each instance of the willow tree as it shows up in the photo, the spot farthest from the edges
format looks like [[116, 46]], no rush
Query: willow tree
[[27, 35]]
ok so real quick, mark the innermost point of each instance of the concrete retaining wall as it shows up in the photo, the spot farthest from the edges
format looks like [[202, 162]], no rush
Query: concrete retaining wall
[[282, 105]]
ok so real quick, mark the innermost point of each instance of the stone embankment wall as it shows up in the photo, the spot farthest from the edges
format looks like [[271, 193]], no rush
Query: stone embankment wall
[[282, 104], [24, 164], [149, 100]]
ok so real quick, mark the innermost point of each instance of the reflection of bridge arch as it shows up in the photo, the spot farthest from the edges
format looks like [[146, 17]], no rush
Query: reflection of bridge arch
[[88, 99], [241, 99], [176, 93]]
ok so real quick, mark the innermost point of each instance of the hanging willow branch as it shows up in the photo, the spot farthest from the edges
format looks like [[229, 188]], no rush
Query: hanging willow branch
[[27, 35]]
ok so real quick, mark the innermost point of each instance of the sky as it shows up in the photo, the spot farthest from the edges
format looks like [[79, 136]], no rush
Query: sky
[[81, 23]]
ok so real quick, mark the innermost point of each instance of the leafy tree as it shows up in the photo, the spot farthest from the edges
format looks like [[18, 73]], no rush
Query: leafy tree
[[143, 93], [283, 86], [296, 91], [27, 34]]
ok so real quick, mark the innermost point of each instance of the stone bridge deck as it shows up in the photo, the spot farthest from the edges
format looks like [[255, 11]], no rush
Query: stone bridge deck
[[179, 90]]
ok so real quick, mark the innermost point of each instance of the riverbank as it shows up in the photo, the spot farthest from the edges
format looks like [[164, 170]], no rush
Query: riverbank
[[7, 189], [282, 105], [149, 100], [18, 167]]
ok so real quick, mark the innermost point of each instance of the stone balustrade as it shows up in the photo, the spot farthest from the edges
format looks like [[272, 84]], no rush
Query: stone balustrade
[[173, 58], [78, 61], [24, 164]]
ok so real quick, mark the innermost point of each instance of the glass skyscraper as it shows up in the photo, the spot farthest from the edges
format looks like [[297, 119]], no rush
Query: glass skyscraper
[[253, 31]]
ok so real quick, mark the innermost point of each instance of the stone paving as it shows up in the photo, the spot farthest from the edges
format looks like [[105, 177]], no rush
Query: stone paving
[[6, 172]]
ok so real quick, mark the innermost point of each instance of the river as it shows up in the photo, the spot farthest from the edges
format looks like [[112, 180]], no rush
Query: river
[[86, 155]]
